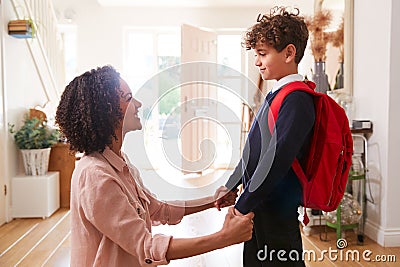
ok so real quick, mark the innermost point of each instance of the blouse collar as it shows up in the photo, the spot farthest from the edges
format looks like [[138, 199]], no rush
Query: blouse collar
[[116, 161]]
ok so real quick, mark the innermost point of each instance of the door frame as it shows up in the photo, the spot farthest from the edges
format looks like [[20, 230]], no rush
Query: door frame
[[4, 183]]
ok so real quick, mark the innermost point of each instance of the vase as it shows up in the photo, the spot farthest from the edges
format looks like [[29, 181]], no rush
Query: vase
[[320, 78], [339, 81], [36, 161]]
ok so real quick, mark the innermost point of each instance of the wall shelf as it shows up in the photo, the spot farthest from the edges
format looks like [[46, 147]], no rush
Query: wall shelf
[[22, 28]]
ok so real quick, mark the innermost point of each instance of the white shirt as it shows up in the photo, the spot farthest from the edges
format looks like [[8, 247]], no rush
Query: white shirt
[[285, 80]]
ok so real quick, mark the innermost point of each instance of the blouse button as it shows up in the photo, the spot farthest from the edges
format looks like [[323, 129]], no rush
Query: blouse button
[[148, 261]]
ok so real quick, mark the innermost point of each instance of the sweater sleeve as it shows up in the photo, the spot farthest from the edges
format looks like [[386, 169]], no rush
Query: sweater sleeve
[[236, 177]]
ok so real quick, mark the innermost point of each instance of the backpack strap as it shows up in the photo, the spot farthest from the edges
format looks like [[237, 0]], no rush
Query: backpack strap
[[308, 87]]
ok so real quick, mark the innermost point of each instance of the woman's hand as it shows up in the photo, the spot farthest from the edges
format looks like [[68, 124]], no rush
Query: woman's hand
[[237, 228], [224, 197]]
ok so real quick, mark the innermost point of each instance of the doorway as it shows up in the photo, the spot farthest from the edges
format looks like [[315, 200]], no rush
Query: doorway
[[148, 53]]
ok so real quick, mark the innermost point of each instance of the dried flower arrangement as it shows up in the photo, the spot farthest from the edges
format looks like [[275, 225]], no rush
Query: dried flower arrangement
[[337, 40], [319, 38]]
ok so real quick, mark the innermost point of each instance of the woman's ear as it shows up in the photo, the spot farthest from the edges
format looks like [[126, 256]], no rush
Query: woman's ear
[[290, 53]]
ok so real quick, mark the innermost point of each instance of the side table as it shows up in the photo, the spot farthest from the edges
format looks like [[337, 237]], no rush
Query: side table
[[35, 196]]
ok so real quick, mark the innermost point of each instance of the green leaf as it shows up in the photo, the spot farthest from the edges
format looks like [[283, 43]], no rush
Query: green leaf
[[34, 134]]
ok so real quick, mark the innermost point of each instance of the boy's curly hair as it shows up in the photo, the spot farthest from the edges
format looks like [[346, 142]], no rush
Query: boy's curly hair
[[89, 110], [278, 29]]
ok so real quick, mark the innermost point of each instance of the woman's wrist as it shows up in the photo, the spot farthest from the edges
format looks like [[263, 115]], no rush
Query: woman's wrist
[[221, 239]]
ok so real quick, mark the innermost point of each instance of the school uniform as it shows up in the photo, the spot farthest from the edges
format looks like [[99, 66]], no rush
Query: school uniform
[[271, 188]]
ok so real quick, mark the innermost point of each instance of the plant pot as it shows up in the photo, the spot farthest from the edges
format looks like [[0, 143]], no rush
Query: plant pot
[[36, 161]]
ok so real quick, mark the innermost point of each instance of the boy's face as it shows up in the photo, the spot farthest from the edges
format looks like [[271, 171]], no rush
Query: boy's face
[[271, 63]]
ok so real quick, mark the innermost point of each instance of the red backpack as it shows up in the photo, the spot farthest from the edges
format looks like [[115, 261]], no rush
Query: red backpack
[[325, 171]]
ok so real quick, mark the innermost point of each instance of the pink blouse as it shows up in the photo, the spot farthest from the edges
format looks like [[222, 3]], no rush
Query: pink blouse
[[111, 215]]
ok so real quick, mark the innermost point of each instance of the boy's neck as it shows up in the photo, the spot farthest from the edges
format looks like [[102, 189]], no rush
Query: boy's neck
[[291, 70]]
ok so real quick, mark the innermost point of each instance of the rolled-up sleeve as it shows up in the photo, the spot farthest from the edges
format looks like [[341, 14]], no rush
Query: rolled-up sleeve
[[170, 212], [121, 220]]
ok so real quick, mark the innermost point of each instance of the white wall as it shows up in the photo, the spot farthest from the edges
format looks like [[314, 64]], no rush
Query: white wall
[[376, 95], [100, 29], [22, 90], [393, 216]]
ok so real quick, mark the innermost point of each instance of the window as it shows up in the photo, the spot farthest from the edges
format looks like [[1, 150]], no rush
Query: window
[[146, 53], [149, 51], [69, 37]]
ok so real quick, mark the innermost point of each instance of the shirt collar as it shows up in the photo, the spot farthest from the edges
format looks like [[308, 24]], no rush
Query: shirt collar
[[285, 80], [116, 161]]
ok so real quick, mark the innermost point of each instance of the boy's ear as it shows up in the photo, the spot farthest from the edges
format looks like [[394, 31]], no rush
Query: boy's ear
[[290, 53]]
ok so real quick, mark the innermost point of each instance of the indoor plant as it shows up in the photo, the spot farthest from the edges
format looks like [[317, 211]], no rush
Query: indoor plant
[[35, 139]]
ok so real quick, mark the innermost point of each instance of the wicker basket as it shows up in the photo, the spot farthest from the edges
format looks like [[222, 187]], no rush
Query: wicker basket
[[36, 161]]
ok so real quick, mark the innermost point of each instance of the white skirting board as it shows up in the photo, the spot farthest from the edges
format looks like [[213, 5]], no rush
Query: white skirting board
[[384, 237]]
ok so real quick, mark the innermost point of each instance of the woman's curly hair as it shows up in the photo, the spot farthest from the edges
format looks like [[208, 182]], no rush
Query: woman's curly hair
[[278, 29], [89, 110]]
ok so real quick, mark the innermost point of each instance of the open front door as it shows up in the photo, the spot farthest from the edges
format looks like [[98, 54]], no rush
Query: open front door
[[199, 99]]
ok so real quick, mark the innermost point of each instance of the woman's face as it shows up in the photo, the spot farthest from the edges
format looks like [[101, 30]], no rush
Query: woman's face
[[130, 108]]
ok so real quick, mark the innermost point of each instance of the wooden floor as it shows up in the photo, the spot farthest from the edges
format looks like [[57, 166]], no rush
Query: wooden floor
[[38, 242], [338, 258]]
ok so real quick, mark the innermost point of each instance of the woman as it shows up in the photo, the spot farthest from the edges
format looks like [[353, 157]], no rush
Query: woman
[[111, 215]]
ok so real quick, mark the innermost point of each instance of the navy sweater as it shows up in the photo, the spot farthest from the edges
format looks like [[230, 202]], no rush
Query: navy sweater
[[265, 167]]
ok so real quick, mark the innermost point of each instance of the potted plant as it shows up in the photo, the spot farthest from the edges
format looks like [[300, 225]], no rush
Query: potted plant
[[35, 139]]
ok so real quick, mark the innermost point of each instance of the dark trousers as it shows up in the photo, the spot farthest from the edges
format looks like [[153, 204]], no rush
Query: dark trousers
[[274, 243], [276, 237]]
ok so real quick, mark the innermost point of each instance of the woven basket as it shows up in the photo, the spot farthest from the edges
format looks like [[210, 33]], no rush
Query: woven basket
[[36, 161]]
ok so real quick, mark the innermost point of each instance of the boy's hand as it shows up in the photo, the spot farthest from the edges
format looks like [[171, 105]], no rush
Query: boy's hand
[[224, 197]]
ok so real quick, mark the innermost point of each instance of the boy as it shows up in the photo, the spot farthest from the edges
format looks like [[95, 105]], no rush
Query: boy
[[271, 189]]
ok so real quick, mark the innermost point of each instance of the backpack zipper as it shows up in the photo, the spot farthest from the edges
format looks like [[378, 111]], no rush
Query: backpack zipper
[[333, 180]]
